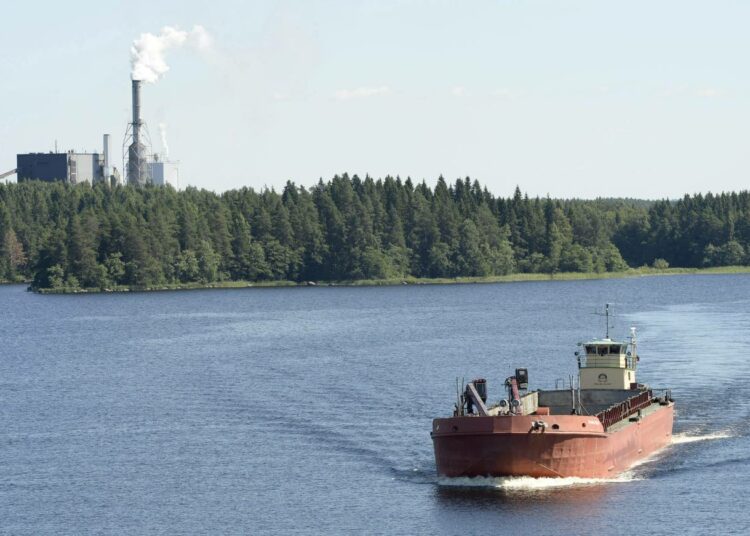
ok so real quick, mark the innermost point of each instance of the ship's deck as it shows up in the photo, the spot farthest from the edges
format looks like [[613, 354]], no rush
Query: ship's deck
[[644, 412], [592, 401]]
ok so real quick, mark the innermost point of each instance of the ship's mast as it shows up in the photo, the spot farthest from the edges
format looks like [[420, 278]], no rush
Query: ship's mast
[[606, 314]]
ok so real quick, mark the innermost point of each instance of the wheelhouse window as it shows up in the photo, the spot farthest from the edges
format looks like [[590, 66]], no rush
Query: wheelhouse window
[[615, 349]]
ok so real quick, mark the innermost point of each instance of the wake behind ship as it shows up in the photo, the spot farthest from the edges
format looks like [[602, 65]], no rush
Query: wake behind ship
[[597, 429]]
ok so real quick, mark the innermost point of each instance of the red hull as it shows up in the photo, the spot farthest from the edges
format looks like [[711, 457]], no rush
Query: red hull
[[578, 447]]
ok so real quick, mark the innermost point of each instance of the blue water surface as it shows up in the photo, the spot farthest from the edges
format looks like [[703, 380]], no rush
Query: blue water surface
[[308, 410]]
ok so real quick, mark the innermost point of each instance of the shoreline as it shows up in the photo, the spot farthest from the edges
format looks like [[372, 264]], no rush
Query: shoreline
[[510, 278]]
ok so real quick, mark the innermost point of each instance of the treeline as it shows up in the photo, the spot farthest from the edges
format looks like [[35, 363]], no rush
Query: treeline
[[348, 228]]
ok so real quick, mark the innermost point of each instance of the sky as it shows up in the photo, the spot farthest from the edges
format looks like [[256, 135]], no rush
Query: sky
[[645, 99]]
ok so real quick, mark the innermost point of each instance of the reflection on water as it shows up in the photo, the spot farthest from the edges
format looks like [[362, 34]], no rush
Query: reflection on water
[[535, 510]]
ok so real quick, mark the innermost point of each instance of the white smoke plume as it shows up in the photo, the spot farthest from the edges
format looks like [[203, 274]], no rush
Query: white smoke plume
[[163, 136], [147, 54]]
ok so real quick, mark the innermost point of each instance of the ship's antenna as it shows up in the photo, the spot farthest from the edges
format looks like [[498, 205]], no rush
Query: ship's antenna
[[607, 314]]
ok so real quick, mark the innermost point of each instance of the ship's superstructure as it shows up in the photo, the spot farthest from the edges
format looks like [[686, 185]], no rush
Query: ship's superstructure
[[608, 364], [595, 428]]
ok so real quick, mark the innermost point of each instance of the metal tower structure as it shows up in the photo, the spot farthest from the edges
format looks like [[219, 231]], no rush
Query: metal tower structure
[[137, 143]]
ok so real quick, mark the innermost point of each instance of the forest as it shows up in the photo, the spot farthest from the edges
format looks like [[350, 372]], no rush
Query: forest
[[59, 236]]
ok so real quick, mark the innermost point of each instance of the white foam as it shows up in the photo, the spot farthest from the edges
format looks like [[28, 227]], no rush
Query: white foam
[[680, 439], [528, 483]]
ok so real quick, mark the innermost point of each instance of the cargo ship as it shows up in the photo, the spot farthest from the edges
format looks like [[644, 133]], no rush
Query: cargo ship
[[599, 427]]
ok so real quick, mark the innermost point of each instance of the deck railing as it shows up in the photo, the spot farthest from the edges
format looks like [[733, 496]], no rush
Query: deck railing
[[625, 409]]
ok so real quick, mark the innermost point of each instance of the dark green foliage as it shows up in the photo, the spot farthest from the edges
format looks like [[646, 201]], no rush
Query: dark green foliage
[[61, 236]]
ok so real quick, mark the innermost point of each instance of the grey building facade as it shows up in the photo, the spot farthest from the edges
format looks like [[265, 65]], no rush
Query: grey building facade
[[47, 167], [164, 172], [73, 168]]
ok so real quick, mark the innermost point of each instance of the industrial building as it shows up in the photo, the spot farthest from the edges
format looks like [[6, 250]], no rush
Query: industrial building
[[142, 167], [71, 167], [48, 167], [164, 172]]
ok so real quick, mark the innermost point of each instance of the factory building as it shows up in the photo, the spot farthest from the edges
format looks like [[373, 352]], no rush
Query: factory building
[[70, 167], [164, 172], [141, 168], [73, 168], [46, 167]]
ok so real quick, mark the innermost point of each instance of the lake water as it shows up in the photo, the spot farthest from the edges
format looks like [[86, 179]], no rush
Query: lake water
[[308, 410]]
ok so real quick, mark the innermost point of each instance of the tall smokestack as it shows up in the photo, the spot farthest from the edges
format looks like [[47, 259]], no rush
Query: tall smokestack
[[136, 111], [137, 165], [148, 64]]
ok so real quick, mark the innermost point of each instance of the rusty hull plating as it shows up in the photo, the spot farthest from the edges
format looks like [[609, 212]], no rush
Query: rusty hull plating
[[569, 445]]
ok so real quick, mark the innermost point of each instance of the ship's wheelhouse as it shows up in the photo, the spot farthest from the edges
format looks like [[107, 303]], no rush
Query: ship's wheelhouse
[[606, 364]]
